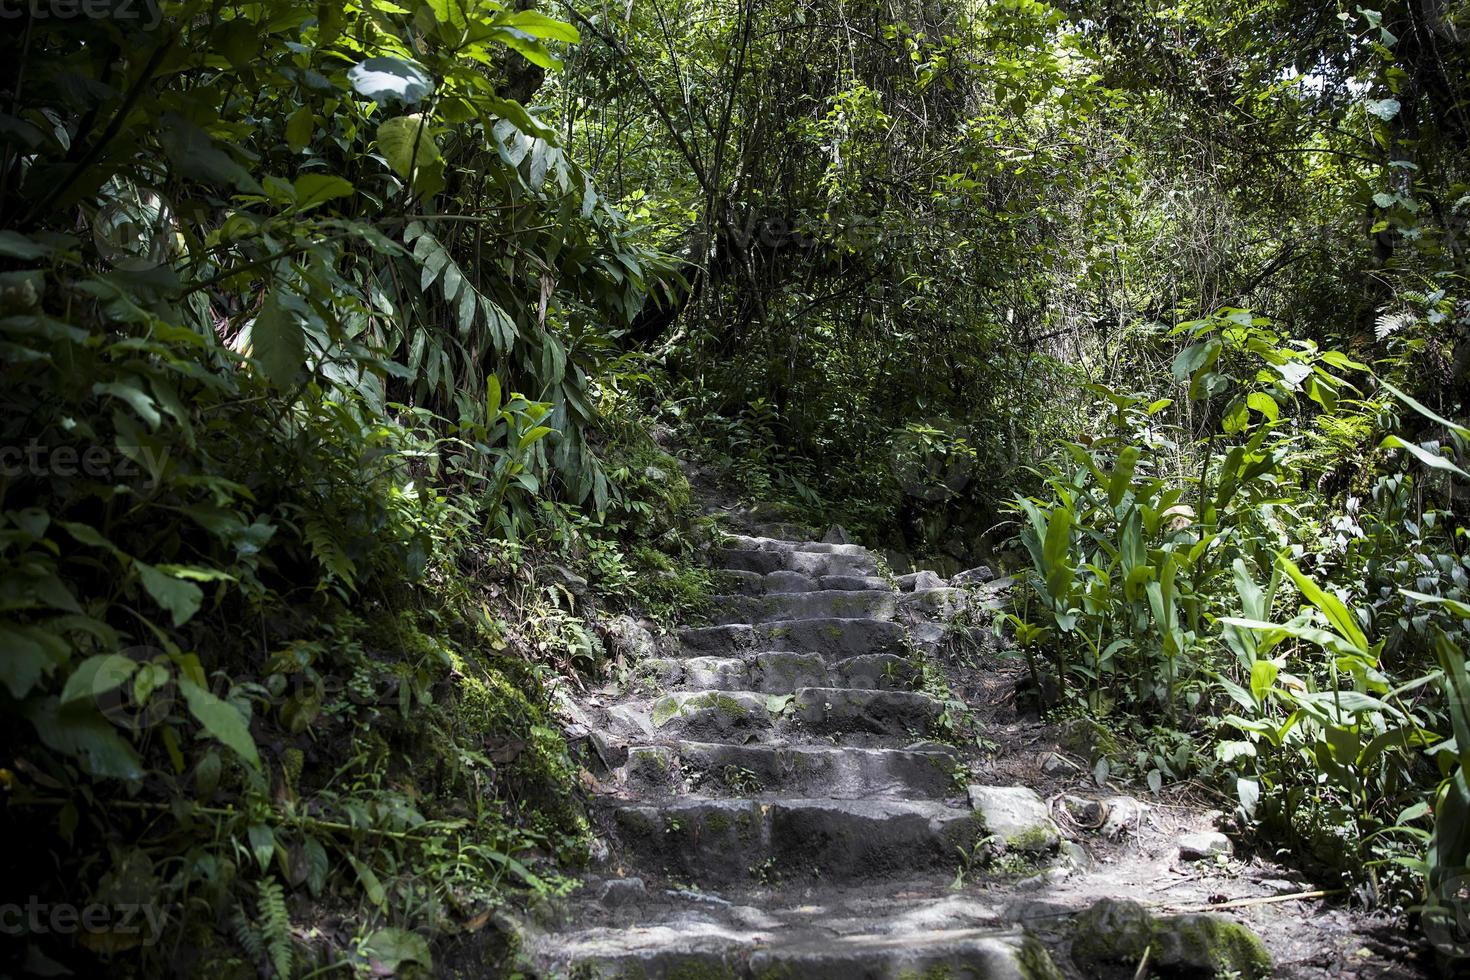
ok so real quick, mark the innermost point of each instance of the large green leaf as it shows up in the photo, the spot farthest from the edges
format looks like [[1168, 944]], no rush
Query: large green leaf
[[390, 948], [80, 731], [220, 719], [96, 676], [1263, 678], [1337, 613], [1426, 411], [537, 24], [1432, 460], [409, 148], [1195, 358], [387, 80], [277, 341], [314, 189], [26, 653], [181, 599]]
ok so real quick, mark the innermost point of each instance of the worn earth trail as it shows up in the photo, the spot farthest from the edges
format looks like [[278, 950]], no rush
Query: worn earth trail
[[779, 800]]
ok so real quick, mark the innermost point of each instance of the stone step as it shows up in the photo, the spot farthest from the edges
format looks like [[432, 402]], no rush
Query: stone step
[[816, 563], [823, 604], [748, 716], [783, 530], [980, 954], [747, 542], [776, 583], [730, 840], [720, 769], [779, 672], [681, 950], [832, 638]]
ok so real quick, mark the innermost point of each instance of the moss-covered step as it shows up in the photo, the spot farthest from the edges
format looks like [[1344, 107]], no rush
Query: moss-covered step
[[745, 716], [815, 563], [782, 582], [681, 948], [714, 841], [705, 951], [746, 542], [723, 769], [834, 710], [834, 638], [778, 673], [820, 604], [973, 954]]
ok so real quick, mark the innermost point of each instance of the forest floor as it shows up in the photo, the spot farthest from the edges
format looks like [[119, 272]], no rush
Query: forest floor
[[1311, 938]]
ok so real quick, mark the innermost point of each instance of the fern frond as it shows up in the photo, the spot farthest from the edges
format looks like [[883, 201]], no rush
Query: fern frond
[[1391, 323], [328, 553], [275, 926], [247, 935]]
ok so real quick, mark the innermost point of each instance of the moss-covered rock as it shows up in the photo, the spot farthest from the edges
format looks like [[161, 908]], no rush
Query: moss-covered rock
[[1017, 817], [1116, 933]]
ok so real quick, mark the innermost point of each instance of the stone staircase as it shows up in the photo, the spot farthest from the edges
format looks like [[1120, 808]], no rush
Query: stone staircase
[[779, 803]]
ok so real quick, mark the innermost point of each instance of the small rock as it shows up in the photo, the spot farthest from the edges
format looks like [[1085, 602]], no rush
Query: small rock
[[628, 638], [1124, 813], [1074, 856], [609, 754], [621, 891], [978, 575], [837, 534], [598, 853], [926, 580], [1206, 844], [565, 577], [1084, 813], [1016, 815], [926, 636], [898, 562], [701, 898]]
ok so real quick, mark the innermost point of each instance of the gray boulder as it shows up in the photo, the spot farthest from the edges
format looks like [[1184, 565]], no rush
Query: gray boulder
[[1206, 844], [628, 639], [978, 575], [1016, 815]]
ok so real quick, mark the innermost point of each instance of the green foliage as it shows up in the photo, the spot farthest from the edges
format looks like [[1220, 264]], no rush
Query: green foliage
[[269, 478], [324, 345], [1174, 588]]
